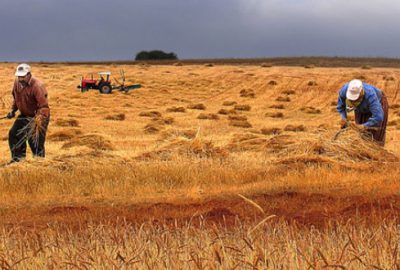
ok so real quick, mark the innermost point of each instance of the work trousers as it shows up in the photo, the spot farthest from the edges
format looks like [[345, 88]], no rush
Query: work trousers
[[20, 133]]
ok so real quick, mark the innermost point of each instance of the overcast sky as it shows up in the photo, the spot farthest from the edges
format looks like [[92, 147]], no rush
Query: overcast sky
[[43, 30]]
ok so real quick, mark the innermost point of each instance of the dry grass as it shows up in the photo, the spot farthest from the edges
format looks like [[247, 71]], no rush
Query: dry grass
[[161, 192], [198, 247]]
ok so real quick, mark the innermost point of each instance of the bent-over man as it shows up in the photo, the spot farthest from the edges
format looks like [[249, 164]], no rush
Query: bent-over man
[[370, 108]]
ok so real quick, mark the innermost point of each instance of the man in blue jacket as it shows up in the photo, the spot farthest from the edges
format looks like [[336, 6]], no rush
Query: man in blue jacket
[[370, 108]]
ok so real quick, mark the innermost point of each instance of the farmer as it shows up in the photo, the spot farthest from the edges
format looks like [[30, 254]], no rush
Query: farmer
[[370, 108], [30, 98]]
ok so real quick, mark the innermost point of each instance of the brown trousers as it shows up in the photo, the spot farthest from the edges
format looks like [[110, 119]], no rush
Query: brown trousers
[[378, 134]]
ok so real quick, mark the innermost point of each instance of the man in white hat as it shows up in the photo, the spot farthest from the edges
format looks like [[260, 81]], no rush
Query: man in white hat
[[370, 108], [30, 98]]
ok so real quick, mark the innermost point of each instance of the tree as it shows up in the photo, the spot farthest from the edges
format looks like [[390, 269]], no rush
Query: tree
[[155, 55]]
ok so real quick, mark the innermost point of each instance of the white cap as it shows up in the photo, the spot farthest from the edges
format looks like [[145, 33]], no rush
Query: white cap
[[22, 70], [354, 89]]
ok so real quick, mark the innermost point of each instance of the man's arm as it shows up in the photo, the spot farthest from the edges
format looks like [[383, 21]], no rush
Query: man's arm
[[341, 104], [14, 107]]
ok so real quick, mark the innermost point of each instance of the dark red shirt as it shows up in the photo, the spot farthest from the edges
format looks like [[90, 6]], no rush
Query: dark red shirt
[[31, 99]]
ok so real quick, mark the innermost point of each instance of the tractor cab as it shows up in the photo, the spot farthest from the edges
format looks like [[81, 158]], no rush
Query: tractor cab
[[104, 77]]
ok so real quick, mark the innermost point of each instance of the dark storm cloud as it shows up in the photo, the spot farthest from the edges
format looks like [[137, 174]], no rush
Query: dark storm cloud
[[102, 30]]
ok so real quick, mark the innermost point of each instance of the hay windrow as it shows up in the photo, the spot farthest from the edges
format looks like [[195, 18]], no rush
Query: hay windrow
[[67, 123], [223, 111], [246, 142], [175, 133], [152, 128], [289, 92], [199, 106], [295, 128], [310, 110], [283, 99], [196, 148], [176, 109], [240, 123], [347, 146], [92, 141], [247, 93], [271, 131], [64, 135], [277, 106], [208, 116], [150, 114], [243, 107], [163, 120], [274, 114], [116, 117], [229, 103]]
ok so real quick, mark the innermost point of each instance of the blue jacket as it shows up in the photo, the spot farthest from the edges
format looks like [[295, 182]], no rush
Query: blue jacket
[[370, 104]]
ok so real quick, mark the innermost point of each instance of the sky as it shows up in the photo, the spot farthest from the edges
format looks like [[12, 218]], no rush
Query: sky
[[86, 30]]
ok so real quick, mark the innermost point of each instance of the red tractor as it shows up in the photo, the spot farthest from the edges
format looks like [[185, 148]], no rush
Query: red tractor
[[103, 83]]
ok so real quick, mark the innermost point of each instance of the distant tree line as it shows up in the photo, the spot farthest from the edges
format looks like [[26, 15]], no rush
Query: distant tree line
[[155, 55]]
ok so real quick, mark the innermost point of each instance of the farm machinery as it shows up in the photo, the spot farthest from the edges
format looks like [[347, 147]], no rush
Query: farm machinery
[[104, 85]]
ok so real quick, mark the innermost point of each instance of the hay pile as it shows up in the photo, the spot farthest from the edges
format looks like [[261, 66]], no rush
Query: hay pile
[[92, 141], [64, 135], [196, 148], [246, 142], [348, 145], [67, 123]]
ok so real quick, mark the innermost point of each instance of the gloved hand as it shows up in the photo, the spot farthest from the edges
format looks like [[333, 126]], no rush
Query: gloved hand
[[343, 123], [10, 115]]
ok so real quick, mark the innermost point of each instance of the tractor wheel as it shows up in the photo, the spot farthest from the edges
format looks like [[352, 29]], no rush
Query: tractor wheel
[[105, 88]]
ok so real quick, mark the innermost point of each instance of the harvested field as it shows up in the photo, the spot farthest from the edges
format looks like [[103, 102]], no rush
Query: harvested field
[[121, 175]]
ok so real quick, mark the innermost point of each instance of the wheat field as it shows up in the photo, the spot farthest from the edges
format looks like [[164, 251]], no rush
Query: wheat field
[[204, 167]]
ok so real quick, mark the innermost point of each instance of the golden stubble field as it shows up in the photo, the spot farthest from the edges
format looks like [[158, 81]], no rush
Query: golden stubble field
[[207, 167]]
